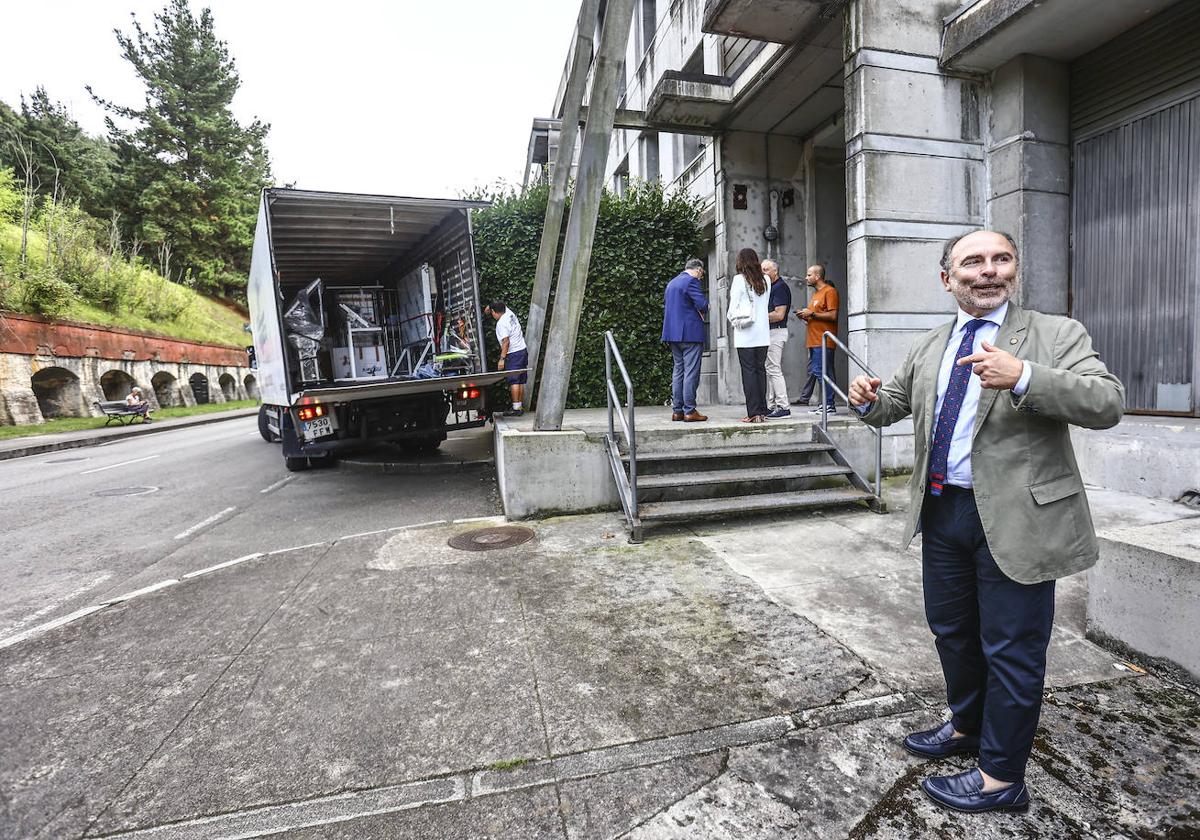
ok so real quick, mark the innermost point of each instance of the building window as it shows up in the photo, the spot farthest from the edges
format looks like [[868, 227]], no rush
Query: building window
[[688, 146], [648, 154], [649, 24], [621, 178]]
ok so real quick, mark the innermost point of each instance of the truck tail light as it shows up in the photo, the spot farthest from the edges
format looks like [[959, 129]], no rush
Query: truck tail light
[[468, 396], [311, 412]]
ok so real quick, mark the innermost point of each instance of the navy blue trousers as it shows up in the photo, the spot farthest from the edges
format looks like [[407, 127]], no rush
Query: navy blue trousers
[[813, 383], [991, 633]]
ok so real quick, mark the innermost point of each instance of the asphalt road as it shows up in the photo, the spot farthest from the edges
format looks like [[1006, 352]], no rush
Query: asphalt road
[[81, 525]]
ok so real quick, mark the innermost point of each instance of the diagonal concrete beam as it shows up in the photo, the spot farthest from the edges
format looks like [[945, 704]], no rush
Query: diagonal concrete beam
[[585, 208], [559, 178]]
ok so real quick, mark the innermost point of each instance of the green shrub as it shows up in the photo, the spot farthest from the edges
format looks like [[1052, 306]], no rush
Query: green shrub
[[74, 258], [162, 300], [44, 292], [8, 279], [10, 197], [642, 241]]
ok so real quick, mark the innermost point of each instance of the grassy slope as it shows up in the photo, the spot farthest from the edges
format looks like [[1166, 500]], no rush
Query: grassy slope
[[204, 320]]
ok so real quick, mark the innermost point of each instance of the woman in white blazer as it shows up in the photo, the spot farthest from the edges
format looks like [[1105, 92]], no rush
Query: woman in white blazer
[[748, 298]]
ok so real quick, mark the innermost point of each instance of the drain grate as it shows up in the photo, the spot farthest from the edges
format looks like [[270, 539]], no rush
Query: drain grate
[[125, 491], [489, 539]]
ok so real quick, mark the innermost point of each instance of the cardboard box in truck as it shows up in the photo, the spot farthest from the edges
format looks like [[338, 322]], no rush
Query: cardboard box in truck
[[367, 321]]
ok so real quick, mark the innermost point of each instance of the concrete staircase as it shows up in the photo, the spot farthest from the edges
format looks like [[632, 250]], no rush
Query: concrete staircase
[[693, 474]]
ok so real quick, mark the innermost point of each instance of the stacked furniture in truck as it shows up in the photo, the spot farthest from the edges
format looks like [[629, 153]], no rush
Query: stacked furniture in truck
[[367, 321]]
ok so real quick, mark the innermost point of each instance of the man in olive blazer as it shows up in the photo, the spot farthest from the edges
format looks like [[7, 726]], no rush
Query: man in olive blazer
[[997, 495]]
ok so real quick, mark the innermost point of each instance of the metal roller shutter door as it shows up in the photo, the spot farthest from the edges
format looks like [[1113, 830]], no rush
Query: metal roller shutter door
[[1135, 260]]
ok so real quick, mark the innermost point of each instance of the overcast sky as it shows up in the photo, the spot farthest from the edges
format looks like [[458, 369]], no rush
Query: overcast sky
[[408, 97]]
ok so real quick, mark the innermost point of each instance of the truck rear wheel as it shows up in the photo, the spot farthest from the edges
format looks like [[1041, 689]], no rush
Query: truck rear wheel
[[296, 464], [263, 428]]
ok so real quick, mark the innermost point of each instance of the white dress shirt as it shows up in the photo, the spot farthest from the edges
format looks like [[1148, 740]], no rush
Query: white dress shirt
[[958, 462]]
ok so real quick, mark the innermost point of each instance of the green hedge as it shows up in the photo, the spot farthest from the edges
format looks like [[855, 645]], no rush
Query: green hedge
[[642, 241]]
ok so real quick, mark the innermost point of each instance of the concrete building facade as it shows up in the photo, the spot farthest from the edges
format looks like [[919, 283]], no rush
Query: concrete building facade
[[863, 134], [52, 369]]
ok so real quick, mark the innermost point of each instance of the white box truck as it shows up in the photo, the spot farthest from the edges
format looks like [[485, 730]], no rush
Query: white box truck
[[367, 322]]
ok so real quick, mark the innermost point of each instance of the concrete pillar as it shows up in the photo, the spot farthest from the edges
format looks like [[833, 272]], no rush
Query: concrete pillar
[[1029, 168], [143, 377], [182, 373], [18, 403], [915, 173]]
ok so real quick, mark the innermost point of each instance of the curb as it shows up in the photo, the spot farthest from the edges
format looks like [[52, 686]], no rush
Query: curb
[[96, 440]]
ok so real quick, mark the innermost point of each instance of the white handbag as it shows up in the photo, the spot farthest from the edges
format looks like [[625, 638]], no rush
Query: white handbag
[[741, 311]]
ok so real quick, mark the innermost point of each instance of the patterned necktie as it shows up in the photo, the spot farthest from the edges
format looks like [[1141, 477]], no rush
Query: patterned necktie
[[956, 389]]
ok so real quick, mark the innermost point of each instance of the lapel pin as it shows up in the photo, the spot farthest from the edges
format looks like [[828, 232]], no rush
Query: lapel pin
[[1012, 341]]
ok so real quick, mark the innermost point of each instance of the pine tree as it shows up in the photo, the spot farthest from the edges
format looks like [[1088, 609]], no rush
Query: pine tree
[[189, 174]]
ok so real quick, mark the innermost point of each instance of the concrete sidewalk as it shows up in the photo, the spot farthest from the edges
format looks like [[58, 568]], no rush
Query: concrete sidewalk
[[740, 680], [41, 444]]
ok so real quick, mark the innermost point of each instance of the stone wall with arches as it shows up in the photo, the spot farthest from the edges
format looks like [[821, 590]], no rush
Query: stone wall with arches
[[66, 368]]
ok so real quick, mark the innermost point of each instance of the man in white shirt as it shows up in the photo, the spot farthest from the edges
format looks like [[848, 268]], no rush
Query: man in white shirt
[[997, 496], [514, 354]]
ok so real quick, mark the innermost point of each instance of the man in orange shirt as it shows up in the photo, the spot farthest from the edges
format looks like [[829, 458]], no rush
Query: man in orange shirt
[[820, 315]]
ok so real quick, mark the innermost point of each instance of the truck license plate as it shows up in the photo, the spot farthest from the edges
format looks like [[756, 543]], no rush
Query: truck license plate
[[319, 427]]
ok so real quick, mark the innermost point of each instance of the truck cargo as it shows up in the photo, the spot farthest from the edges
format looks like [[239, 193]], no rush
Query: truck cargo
[[367, 322]]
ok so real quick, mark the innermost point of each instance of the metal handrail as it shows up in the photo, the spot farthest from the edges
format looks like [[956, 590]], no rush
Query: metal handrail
[[626, 483], [827, 382]]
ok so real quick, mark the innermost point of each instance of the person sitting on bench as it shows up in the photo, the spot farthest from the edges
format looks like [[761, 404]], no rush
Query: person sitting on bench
[[138, 403]]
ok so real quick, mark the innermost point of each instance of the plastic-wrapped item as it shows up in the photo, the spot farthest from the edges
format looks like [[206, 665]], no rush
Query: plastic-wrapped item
[[306, 330]]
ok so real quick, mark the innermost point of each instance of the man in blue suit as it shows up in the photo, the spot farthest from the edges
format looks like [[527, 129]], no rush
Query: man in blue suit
[[684, 306]]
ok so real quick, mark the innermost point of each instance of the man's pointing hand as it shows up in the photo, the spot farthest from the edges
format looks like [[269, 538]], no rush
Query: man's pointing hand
[[863, 390], [996, 369]]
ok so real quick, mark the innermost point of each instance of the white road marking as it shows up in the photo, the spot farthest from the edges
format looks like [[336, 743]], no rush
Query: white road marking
[[390, 530], [164, 584], [145, 590], [277, 484], [114, 466], [224, 565], [62, 599], [364, 534], [294, 548], [49, 625], [216, 517], [497, 519]]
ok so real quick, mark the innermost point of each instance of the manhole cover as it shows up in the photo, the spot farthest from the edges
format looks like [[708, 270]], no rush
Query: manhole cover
[[125, 491], [487, 539]]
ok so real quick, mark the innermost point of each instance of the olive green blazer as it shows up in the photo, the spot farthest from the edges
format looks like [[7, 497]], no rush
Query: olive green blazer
[[1027, 485]]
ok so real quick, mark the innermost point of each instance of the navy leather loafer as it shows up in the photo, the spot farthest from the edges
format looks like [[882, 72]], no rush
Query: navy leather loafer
[[964, 792], [940, 742]]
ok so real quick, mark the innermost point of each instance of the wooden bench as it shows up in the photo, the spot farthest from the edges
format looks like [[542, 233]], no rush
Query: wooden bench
[[119, 411]]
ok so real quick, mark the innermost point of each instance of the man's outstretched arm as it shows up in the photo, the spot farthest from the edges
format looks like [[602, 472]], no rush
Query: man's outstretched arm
[[882, 405]]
